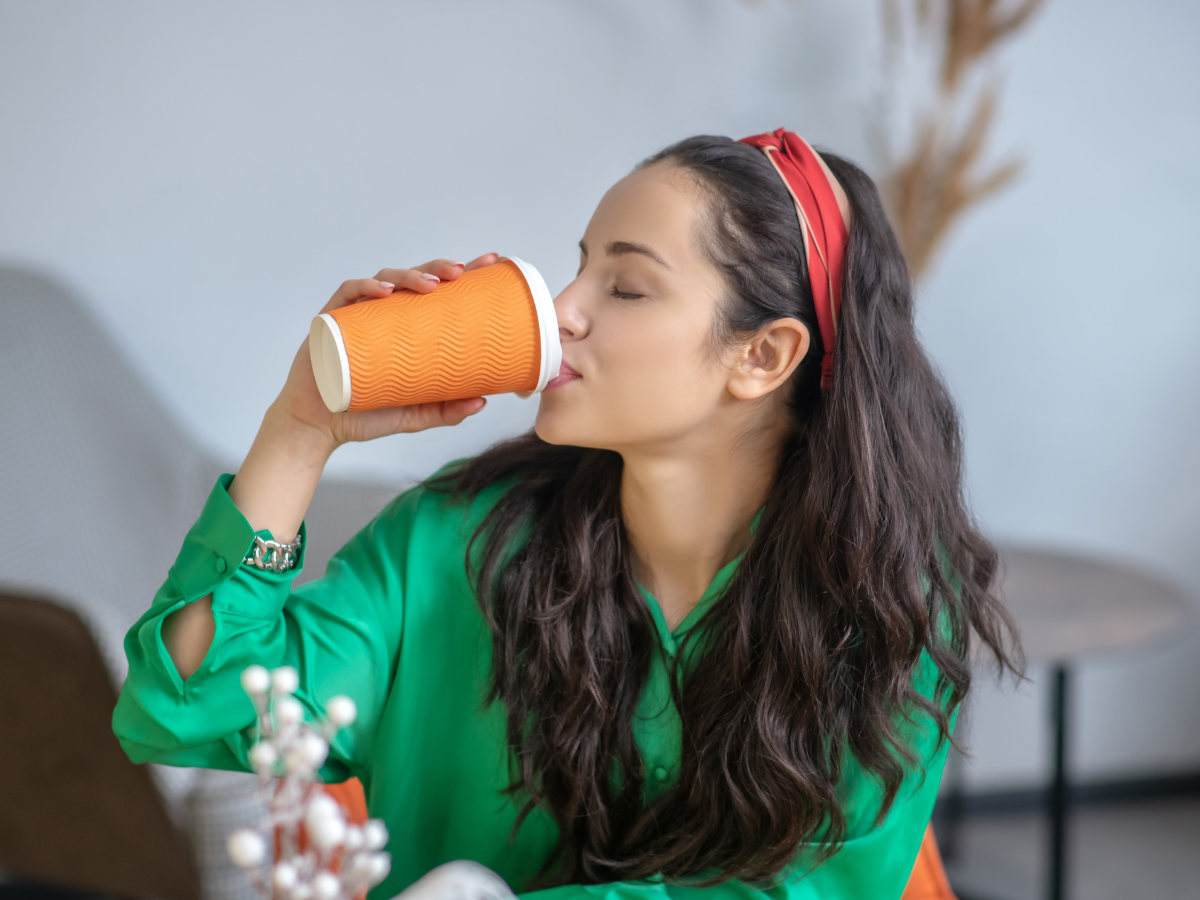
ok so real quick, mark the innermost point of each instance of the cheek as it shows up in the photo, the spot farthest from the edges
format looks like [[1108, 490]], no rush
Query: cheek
[[656, 366], [650, 381]]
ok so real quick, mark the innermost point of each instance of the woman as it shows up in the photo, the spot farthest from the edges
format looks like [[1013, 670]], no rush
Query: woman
[[703, 629]]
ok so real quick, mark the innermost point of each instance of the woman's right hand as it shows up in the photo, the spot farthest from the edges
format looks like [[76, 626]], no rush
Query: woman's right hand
[[300, 402], [275, 483]]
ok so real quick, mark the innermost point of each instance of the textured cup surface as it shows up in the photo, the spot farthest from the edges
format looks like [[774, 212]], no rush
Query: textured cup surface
[[470, 337]]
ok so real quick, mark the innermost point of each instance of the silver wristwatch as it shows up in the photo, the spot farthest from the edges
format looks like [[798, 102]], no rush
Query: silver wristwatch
[[273, 555]]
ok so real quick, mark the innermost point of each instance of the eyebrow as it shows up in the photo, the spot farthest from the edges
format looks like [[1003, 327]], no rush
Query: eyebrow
[[621, 248]]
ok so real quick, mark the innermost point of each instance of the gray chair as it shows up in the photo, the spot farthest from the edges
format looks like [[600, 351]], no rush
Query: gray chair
[[99, 483]]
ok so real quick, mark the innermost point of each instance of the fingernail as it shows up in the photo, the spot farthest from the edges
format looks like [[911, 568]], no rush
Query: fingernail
[[455, 263], [429, 277], [386, 284]]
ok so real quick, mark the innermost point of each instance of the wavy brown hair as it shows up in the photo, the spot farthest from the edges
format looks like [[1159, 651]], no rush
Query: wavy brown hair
[[864, 543]]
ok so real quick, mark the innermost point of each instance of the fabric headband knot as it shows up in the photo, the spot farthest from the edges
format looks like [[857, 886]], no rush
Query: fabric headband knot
[[822, 228]]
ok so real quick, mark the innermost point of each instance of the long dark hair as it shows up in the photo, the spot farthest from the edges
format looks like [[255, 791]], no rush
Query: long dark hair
[[865, 544]]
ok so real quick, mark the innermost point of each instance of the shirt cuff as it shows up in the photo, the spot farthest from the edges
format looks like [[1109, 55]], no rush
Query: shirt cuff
[[217, 543]]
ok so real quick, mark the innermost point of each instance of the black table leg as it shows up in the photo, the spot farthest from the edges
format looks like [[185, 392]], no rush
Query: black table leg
[[1058, 795], [1058, 799]]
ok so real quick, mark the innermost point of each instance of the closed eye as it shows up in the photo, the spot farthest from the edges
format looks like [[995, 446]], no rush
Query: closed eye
[[622, 295]]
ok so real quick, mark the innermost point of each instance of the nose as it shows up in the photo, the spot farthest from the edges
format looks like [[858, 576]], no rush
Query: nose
[[572, 323]]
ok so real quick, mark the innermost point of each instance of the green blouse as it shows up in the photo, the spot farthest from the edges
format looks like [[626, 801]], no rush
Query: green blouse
[[395, 624]]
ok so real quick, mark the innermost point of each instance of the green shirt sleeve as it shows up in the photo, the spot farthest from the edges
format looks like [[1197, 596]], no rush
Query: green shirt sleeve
[[341, 632]]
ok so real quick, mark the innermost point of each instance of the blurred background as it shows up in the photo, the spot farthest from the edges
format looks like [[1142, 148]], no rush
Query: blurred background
[[182, 186]]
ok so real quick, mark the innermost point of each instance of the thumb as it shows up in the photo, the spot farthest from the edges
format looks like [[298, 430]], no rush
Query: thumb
[[454, 411]]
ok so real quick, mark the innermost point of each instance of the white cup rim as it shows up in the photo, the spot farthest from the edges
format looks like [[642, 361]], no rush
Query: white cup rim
[[333, 378], [551, 346]]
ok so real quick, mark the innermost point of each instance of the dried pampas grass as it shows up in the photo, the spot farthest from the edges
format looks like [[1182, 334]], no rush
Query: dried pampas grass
[[929, 187]]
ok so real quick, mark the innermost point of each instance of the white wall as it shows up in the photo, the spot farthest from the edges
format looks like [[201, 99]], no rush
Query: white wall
[[206, 175], [1065, 317]]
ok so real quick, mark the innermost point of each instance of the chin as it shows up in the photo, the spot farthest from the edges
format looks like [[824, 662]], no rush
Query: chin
[[561, 426], [550, 428]]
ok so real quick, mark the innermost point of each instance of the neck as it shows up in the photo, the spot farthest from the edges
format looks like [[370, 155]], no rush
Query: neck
[[688, 509]]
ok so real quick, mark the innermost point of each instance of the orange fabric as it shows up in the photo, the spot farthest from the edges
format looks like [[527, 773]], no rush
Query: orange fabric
[[475, 335], [351, 798], [928, 879], [349, 795]]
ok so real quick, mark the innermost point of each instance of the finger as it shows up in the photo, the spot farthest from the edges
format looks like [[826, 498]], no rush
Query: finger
[[374, 423], [445, 269], [410, 279], [446, 412], [454, 411], [422, 416], [358, 289], [480, 261], [429, 268]]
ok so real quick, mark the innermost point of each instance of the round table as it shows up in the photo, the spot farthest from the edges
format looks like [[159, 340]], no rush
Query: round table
[[1066, 606]]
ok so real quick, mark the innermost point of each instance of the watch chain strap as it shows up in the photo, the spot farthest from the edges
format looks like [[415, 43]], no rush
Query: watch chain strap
[[273, 555]]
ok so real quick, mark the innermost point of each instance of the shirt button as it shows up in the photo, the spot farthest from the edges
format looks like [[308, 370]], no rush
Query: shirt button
[[660, 773], [221, 564]]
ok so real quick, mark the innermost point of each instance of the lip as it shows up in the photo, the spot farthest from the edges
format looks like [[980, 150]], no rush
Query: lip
[[565, 374]]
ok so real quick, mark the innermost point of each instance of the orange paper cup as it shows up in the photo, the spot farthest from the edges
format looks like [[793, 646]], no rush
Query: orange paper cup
[[489, 331]]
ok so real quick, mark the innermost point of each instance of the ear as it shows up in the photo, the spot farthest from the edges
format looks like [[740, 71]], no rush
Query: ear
[[769, 359]]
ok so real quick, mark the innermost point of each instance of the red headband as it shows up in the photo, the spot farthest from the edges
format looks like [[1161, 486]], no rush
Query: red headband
[[822, 229]]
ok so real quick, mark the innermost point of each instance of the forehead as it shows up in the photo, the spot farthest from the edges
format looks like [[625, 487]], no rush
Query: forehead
[[659, 206]]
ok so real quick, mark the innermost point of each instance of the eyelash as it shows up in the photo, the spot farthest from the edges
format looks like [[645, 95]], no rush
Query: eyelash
[[622, 295]]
